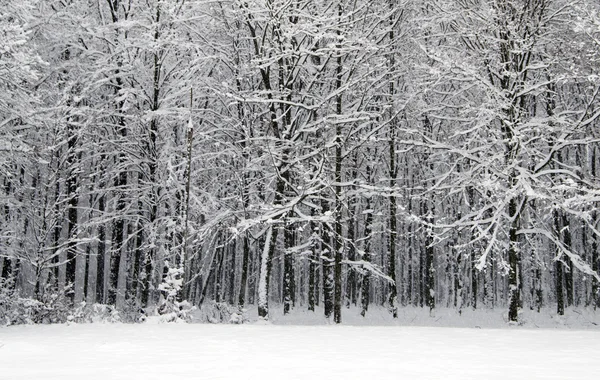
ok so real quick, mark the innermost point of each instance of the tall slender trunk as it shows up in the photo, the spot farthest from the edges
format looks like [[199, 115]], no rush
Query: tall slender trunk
[[271, 241], [513, 263], [313, 261], [56, 233], [219, 275], [560, 300], [410, 298], [189, 141], [150, 264], [566, 236], [244, 274], [458, 275], [366, 277], [393, 171], [281, 168], [422, 271], [265, 272], [429, 275], [337, 239], [595, 256], [393, 294], [72, 186], [137, 282], [288, 269], [120, 182], [100, 252], [428, 210], [351, 285], [327, 260], [232, 270], [367, 238], [118, 231]]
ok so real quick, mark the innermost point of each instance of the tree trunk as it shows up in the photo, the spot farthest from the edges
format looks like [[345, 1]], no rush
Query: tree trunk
[[351, 286], [313, 261], [393, 294], [265, 273], [566, 236], [366, 277], [393, 172], [429, 284], [101, 233], [595, 257], [72, 209], [288, 269], [327, 260], [232, 270], [117, 238], [337, 239], [244, 275], [513, 263], [560, 301]]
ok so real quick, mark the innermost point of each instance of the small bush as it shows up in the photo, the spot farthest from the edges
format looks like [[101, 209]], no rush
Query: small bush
[[220, 312], [55, 308], [19, 311]]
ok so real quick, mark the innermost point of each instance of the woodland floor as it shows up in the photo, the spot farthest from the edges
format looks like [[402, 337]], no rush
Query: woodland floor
[[544, 347]]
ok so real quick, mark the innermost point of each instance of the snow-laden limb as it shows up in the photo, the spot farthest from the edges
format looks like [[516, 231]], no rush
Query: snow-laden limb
[[362, 265], [482, 261], [578, 262]]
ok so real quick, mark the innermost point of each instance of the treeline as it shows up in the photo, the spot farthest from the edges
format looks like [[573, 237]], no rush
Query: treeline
[[428, 153]]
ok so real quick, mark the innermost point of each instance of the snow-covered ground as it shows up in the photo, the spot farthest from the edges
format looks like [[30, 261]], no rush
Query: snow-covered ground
[[574, 318], [254, 351]]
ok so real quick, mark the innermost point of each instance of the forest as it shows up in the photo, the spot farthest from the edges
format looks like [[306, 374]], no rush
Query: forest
[[312, 154]]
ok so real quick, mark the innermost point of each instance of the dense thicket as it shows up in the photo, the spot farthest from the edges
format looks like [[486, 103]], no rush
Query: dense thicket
[[302, 152]]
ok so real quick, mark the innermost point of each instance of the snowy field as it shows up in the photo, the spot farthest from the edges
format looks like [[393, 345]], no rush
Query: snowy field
[[254, 351]]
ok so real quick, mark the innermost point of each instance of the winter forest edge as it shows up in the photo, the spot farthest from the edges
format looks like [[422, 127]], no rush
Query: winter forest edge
[[162, 154]]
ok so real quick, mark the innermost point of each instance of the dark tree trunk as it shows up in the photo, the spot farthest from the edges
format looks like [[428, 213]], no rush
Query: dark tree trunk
[[88, 252], [393, 294], [410, 299], [327, 260], [422, 274], [218, 274], [117, 238], [244, 275], [312, 269], [366, 277], [566, 237], [288, 270], [212, 269], [232, 269], [560, 301], [120, 182], [458, 278], [337, 239], [7, 269], [137, 283], [513, 263], [148, 293], [101, 250], [351, 286], [72, 209], [596, 268], [429, 279], [393, 172], [595, 257], [56, 238], [313, 262]]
